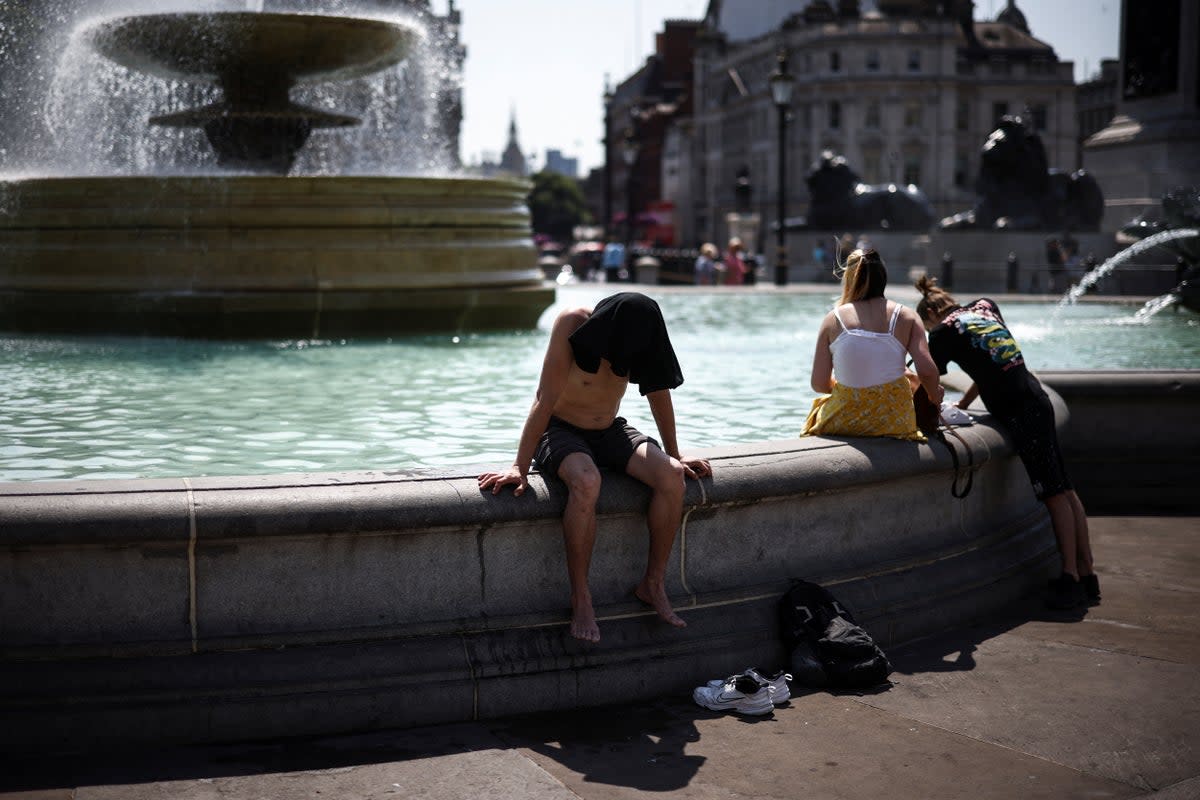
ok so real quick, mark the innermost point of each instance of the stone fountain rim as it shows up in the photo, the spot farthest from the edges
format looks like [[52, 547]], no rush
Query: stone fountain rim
[[375, 180], [408, 28]]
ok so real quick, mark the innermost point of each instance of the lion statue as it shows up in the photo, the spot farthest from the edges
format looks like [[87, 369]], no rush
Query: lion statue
[[1016, 190], [839, 200]]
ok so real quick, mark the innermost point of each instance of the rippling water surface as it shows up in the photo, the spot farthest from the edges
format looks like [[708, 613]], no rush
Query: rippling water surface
[[75, 407]]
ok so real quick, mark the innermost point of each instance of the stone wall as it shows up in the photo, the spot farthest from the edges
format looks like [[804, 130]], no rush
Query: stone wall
[[1132, 443]]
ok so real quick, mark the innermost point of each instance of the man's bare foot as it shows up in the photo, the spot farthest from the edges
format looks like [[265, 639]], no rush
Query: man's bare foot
[[656, 597], [583, 623]]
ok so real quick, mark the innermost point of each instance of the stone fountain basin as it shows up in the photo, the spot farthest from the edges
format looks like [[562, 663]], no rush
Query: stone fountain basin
[[307, 48], [249, 255]]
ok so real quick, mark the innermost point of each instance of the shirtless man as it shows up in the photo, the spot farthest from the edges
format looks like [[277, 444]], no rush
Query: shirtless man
[[573, 428]]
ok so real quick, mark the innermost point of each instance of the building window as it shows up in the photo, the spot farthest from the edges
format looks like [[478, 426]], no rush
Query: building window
[[912, 170], [913, 114], [962, 115], [808, 62], [835, 61], [999, 110], [871, 120], [835, 114], [1039, 117], [872, 61], [914, 60]]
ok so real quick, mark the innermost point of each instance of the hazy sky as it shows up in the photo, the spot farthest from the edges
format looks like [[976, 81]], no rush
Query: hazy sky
[[547, 60]]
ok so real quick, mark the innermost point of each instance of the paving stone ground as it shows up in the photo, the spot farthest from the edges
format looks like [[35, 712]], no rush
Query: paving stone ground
[[1104, 703]]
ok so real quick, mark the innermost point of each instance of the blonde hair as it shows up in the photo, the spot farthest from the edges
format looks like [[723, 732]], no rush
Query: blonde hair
[[863, 275], [709, 249], [935, 301]]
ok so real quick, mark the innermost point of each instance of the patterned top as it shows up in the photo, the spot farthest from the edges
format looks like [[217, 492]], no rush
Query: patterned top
[[976, 338]]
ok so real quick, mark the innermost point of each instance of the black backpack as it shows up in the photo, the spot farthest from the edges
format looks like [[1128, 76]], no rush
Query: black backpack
[[826, 647]]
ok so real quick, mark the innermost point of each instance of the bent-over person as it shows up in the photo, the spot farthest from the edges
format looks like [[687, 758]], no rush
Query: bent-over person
[[573, 429]]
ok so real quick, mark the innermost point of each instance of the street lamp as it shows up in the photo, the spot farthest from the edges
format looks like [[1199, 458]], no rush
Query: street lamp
[[782, 84], [629, 153], [608, 159]]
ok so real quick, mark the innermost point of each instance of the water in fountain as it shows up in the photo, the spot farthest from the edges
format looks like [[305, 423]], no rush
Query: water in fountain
[[1090, 280], [74, 112]]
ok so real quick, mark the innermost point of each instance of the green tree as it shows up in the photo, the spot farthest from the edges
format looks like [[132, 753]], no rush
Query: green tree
[[556, 205]]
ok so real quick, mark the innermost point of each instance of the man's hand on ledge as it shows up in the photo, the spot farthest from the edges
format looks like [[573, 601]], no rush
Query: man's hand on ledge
[[496, 480], [695, 467]]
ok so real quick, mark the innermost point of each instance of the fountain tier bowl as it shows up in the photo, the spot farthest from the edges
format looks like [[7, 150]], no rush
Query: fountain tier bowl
[[212, 46], [248, 256]]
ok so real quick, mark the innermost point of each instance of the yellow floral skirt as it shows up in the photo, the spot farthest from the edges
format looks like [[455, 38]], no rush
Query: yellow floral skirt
[[883, 410]]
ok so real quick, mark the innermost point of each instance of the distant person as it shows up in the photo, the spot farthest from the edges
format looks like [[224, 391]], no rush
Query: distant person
[[1054, 265], [976, 338], [706, 265], [735, 264], [613, 261], [858, 366], [573, 429], [1071, 260], [818, 257]]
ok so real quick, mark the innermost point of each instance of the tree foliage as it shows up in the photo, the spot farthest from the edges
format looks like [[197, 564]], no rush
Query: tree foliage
[[556, 205]]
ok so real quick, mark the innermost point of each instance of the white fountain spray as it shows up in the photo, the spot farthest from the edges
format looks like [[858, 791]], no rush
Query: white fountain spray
[[1154, 306], [1090, 280]]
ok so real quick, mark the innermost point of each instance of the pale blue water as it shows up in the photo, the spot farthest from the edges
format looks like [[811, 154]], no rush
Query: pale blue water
[[75, 407]]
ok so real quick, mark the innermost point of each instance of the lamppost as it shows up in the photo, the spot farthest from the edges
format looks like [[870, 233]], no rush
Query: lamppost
[[608, 159], [629, 153], [782, 83]]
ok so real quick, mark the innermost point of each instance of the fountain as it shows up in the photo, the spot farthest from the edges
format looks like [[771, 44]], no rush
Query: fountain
[[232, 608], [252, 250], [1179, 232]]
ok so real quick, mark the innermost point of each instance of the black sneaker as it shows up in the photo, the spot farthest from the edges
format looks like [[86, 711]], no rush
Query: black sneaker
[[1065, 593], [1091, 588]]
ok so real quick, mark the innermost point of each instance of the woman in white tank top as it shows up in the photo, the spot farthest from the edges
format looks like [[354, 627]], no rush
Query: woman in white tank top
[[859, 361]]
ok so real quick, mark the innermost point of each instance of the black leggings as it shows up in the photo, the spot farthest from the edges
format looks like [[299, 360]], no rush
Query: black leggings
[[1036, 438]]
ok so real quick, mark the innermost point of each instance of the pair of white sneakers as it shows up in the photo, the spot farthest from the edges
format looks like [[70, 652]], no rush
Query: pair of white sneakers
[[748, 692]]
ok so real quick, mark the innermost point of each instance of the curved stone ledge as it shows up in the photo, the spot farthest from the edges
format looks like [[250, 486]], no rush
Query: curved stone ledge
[[1132, 442], [211, 609]]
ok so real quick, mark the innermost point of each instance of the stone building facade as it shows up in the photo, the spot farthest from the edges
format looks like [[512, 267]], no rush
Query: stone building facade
[[1152, 143], [908, 93]]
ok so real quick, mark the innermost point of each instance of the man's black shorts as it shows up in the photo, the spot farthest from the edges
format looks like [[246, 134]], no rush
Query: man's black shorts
[[610, 447]]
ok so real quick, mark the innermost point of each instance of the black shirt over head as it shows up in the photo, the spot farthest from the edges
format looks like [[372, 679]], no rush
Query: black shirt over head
[[628, 330]]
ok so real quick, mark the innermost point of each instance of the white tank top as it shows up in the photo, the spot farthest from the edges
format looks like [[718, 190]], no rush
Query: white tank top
[[867, 358]]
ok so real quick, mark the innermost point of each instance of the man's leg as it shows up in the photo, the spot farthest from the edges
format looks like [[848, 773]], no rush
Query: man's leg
[[664, 476], [582, 478]]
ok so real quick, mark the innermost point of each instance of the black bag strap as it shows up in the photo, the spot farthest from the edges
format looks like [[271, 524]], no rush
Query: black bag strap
[[970, 470]]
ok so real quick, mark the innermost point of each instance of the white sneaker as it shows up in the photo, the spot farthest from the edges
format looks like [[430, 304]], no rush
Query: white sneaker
[[742, 693], [778, 684], [780, 693]]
